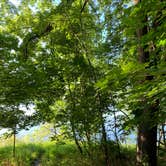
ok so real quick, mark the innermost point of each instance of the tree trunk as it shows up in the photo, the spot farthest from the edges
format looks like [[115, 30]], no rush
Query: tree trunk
[[104, 141], [73, 125], [101, 106], [147, 139], [76, 140], [147, 129], [14, 143]]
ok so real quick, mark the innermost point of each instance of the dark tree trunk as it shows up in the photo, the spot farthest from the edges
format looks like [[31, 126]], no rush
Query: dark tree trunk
[[147, 139], [73, 124], [14, 143], [147, 132], [104, 141], [89, 149], [76, 140], [101, 106], [147, 128]]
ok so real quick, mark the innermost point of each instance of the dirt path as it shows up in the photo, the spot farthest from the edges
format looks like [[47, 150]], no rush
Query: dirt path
[[36, 162]]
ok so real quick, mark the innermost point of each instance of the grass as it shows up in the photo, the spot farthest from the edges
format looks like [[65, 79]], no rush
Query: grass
[[66, 154], [52, 154], [48, 154]]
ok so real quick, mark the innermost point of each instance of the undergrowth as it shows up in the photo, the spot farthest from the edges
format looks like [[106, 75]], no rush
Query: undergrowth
[[64, 154]]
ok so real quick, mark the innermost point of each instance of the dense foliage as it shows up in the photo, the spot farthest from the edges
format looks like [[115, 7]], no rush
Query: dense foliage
[[94, 69]]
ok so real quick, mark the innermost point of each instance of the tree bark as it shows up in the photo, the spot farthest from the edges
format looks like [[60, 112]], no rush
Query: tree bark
[[104, 133], [105, 147], [14, 143], [147, 129], [76, 140], [147, 139], [73, 125]]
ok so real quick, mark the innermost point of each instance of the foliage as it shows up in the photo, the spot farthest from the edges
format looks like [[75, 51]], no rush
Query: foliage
[[78, 63]]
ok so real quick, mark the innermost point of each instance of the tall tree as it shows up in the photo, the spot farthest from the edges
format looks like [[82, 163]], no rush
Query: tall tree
[[147, 129]]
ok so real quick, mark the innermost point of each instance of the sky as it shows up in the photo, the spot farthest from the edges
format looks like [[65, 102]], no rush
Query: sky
[[15, 2], [28, 111]]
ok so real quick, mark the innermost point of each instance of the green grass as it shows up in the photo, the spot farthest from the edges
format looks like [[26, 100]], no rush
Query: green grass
[[53, 154], [49, 154]]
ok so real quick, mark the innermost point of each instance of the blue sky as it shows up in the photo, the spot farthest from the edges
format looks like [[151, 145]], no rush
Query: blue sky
[[15, 2]]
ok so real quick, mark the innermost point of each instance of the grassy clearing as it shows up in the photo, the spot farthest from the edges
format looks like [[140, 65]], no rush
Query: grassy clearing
[[53, 154], [48, 154]]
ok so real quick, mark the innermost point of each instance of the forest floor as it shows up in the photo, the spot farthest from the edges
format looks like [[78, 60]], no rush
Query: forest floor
[[66, 154]]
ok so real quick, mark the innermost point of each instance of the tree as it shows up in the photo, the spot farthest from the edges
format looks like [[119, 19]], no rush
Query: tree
[[137, 75], [14, 120], [82, 62]]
